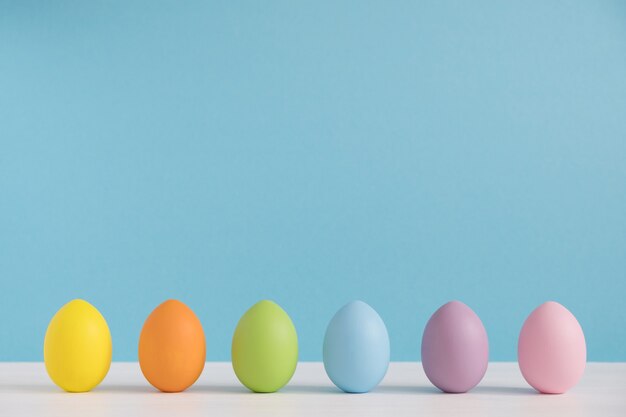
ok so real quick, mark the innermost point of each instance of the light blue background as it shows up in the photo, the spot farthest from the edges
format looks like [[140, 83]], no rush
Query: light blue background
[[400, 153]]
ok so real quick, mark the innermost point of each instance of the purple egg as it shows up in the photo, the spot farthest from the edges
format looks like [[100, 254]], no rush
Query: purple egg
[[455, 349]]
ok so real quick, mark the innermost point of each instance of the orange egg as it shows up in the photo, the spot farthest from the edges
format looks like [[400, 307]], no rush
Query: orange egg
[[172, 348]]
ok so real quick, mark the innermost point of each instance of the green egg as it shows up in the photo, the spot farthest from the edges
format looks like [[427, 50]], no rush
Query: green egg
[[265, 348]]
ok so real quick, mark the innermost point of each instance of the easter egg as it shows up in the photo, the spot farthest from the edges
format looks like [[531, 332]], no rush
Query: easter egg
[[551, 351], [265, 348], [356, 348], [455, 349], [77, 347], [172, 348]]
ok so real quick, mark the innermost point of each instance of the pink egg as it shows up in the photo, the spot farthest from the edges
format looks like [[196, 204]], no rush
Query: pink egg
[[552, 352], [455, 349]]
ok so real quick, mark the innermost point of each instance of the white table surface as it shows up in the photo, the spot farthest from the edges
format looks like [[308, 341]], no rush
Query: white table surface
[[26, 390]]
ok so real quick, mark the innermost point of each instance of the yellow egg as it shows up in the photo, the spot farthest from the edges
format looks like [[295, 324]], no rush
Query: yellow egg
[[77, 348]]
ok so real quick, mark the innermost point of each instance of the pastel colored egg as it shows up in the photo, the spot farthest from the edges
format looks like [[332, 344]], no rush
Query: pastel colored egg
[[552, 353], [356, 348], [77, 347], [455, 348], [172, 347], [265, 348]]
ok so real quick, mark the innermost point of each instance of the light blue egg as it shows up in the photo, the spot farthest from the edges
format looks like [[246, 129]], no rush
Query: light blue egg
[[356, 348]]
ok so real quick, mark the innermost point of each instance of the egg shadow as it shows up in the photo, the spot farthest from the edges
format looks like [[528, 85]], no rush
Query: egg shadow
[[121, 389], [53, 390], [311, 389], [29, 388], [219, 389], [499, 390], [406, 389], [287, 390]]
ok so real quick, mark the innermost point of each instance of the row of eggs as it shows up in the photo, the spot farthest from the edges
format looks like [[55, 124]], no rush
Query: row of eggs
[[455, 348]]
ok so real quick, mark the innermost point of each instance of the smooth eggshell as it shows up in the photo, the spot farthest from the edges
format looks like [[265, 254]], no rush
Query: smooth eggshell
[[455, 349], [552, 352], [172, 347], [77, 347], [356, 348], [265, 348]]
